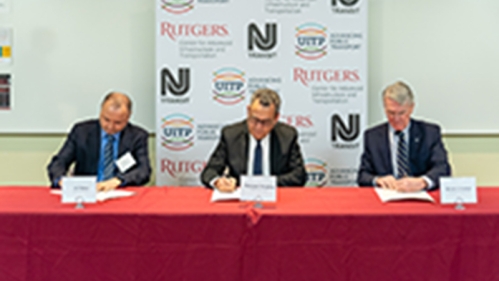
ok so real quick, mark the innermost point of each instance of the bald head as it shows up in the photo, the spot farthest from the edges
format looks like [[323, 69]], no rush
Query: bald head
[[117, 99], [115, 112]]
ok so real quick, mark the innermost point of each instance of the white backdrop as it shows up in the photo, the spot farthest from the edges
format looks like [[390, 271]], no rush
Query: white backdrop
[[211, 55]]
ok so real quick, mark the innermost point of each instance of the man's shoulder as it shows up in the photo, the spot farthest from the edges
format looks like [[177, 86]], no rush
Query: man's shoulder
[[234, 128], [135, 129], [284, 129], [377, 129], [425, 126], [86, 125]]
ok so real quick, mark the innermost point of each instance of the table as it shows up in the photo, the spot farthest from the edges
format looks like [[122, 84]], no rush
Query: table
[[310, 234]]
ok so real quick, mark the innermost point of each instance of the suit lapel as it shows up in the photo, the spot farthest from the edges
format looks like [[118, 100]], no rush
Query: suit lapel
[[415, 136], [243, 149], [384, 143], [94, 141], [275, 148], [124, 141]]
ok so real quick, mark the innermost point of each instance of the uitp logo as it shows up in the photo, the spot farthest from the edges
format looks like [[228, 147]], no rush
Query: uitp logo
[[311, 41], [177, 6], [316, 172], [177, 132], [229, 85]]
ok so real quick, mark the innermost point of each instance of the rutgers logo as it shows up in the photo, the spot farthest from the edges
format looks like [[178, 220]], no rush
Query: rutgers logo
[[176, 87], [347, 3], [298, 121], [175, 168], [346, 132], [264, 43]]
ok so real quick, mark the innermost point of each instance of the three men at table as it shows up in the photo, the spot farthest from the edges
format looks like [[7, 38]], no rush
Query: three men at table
[[402, 154], [95, 146], [259, 145]]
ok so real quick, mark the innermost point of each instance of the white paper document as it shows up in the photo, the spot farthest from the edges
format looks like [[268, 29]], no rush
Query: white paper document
[[104, 195], [386, 195], [217, 195]]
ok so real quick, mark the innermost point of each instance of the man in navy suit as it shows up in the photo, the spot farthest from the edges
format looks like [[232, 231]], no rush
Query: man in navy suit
[[402, 154], [259, 145], [96, 146]]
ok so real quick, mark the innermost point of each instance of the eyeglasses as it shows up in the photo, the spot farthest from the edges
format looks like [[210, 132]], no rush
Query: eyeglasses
[[265, 122]]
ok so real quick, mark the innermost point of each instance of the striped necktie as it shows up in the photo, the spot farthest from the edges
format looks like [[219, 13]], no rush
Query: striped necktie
[[402, 156], [108, 158]]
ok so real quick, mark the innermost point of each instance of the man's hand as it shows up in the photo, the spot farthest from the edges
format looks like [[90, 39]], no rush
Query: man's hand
[[110, 184], [225, 184], [410, 184], [388, 182]]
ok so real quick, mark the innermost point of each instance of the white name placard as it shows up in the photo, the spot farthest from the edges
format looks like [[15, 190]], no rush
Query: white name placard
[[457, 190], [259, 188], [79, 189]]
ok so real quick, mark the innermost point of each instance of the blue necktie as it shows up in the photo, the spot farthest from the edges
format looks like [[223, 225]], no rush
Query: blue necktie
[[402, 156], [108, 158], [257, 160]]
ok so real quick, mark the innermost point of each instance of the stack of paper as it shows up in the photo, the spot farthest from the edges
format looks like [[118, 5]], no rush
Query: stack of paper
[[386, 195]]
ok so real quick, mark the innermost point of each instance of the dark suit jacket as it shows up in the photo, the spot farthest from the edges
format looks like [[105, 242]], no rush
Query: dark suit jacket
[[83, 146], [286, 161], [427, 155]]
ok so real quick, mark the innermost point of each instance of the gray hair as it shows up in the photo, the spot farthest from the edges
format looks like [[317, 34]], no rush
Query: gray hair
[[266, 97], [399, 92]]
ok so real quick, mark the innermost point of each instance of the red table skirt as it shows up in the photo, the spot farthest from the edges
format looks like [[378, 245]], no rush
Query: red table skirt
[[310, 234]]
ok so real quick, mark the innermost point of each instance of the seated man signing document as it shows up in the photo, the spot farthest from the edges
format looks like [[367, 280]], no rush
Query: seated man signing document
[[110, 148], [259, 145], [402, 154]]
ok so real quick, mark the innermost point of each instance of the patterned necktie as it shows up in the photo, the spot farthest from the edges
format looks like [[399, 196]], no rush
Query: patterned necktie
[[402, 156], [108, 158], [257, 160]]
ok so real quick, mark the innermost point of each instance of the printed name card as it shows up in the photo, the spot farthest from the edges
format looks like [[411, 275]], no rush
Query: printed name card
[[259, 188], [457, 190], [79, 189]]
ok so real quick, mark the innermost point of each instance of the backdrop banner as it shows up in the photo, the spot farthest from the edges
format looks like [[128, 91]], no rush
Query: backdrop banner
[[211, 55]]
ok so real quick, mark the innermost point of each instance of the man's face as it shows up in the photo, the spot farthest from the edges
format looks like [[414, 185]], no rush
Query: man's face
[[261, 119], [112, 119], [398, 115]]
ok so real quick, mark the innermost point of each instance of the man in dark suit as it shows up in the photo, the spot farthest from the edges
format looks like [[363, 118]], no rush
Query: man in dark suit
[[98, 146], [259, 145], [403, 154]]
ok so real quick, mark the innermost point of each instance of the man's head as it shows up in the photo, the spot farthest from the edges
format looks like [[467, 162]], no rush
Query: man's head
[[115, 111], [399, 103], [263, 112]]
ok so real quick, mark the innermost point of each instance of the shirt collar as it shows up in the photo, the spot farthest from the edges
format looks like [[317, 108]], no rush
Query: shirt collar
[[405, 130], [103, 134]]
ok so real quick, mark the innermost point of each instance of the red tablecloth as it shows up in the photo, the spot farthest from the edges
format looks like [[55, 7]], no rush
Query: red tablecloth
[[310, 234]]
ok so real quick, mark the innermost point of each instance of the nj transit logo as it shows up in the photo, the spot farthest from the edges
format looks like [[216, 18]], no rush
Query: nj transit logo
[[229, 85], [311, 41], [177, 132]]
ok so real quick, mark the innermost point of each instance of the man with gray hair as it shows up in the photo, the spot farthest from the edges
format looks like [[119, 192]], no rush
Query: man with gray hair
[[402, 154], [259, 145]]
